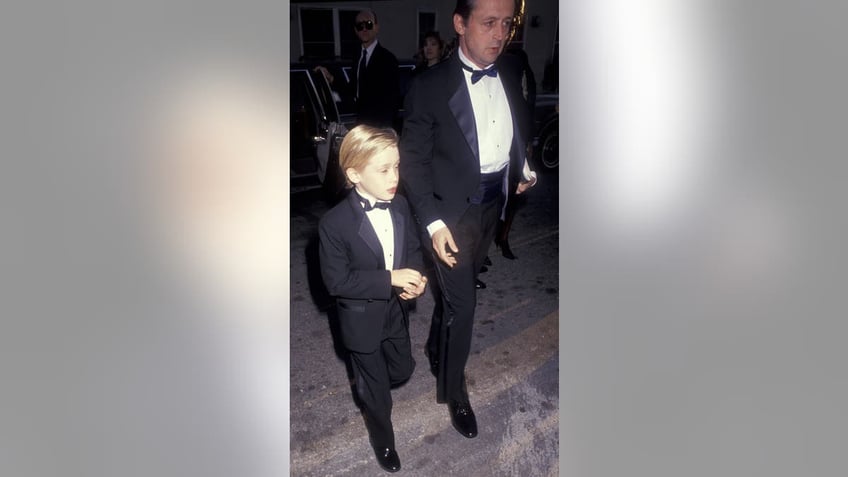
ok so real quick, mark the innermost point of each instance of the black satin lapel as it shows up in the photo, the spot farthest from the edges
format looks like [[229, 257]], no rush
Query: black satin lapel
[[369, 236], [366, 230], [460, 105], [399, 226]]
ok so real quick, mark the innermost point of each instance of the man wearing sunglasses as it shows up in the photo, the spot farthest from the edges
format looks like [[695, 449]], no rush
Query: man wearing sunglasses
[[375, 83]]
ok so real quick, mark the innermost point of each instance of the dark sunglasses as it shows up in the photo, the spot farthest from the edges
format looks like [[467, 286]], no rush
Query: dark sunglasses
[[363, 25]]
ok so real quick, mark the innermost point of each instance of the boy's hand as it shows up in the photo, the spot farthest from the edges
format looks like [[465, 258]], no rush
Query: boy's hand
[[410, 280], [415, 293], [442, 240]]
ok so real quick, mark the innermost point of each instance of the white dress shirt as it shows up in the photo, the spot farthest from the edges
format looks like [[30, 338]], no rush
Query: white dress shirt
[[492, 117], [381, 220]]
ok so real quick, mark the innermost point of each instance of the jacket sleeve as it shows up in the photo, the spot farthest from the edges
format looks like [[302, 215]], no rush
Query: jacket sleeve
[[340, 276], [416, 154], [414, 258]]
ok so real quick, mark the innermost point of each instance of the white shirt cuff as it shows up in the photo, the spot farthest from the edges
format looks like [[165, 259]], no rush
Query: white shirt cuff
[[527, 173], [435, 226]]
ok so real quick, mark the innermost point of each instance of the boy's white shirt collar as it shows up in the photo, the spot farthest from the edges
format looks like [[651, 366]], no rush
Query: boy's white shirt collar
[[370, 198]]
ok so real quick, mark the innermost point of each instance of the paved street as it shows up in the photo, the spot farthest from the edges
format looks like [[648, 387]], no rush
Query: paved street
[[512, 372]]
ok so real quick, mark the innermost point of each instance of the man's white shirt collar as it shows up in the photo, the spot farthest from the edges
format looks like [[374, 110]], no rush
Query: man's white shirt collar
[[464, 59]]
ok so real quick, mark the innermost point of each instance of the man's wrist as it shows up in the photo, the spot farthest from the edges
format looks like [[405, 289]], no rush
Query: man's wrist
[[435, 226]]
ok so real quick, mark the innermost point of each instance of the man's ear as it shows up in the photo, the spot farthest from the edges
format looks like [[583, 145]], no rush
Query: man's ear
[[458, 24], [352, 175]]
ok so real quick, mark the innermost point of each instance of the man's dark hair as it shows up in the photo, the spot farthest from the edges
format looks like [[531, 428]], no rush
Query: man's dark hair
[[372, 12], [464, 7]]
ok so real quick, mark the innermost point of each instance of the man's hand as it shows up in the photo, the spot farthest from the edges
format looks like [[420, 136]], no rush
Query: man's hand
[[442, 240], [523, 186]]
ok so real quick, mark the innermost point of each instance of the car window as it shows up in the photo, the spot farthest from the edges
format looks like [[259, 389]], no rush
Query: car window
[[325, 94]]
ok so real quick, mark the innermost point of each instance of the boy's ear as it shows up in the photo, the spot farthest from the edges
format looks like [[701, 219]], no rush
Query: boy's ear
[[352, 175]]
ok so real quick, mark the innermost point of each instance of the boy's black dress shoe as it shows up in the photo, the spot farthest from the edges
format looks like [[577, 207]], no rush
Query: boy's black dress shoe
[[463, 419], [387, 458]]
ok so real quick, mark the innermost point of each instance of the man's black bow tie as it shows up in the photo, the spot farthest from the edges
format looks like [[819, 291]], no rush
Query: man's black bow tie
[[476, 75]]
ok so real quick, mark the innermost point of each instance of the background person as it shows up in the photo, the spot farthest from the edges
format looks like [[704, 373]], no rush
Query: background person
[[431, 51], [375, 82]]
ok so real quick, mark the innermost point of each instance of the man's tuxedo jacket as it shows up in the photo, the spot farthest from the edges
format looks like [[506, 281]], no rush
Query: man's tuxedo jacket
[[379, 97], [439, 151], [353, 267]]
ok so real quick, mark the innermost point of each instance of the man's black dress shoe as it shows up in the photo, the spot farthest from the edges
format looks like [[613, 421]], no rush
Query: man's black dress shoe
[[463, 419], [479, 284], [387, 458], [484, 269], [487, 261]]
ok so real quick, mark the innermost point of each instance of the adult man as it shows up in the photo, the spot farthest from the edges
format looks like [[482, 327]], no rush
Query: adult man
[[463, 145], [375, 83]]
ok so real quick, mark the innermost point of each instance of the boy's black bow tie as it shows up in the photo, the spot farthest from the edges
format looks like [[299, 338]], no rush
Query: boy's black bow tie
[[476, 75], [378, 205], [366, 204]]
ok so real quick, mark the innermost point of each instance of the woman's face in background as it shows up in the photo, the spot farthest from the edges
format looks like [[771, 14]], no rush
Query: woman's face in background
[[432, 52]]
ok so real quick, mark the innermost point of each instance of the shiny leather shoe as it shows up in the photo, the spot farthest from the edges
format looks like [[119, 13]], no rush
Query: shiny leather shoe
[[387, 458], [463, 419], [478, 284]]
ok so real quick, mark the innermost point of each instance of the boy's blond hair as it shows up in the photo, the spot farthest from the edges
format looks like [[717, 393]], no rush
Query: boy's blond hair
[[361, 144]]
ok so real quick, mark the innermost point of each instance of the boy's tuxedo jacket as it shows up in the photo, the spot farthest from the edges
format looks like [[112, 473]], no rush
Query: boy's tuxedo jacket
[[353, 269]]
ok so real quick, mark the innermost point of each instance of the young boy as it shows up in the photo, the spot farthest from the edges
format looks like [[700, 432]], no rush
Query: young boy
[[366, 242]]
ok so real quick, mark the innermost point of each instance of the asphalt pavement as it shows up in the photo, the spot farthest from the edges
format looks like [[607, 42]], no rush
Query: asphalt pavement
[[512, 373]]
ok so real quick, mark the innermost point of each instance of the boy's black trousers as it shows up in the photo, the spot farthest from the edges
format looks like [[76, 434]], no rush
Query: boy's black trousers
[[377, 372]]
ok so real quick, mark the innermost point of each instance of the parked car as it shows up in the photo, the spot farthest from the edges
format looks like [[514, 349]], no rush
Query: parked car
[[546, 140], [320, 119], [316, 130]]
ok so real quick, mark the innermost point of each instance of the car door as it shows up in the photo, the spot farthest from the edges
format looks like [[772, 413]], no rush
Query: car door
[[314, 125]]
